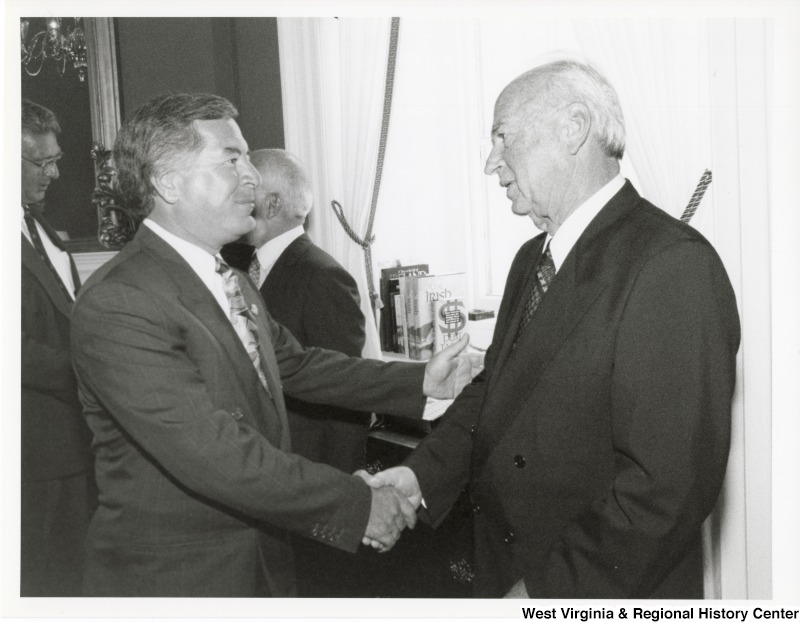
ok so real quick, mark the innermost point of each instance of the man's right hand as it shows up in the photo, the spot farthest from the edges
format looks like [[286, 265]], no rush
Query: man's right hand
[[389, 514], [400, 477]]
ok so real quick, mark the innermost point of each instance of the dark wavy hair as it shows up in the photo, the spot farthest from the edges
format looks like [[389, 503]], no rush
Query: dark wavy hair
[[37, 119], [156, 135]]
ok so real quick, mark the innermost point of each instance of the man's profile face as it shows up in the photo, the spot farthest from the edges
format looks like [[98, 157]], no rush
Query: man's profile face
[[526, 156], [35, 180], [216, 187]]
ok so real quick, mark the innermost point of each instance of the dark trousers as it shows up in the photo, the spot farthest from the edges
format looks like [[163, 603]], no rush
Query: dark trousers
[[54, 519]]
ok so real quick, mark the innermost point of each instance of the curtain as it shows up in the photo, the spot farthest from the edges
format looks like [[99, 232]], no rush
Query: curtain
[[332, 79], [660, 70]]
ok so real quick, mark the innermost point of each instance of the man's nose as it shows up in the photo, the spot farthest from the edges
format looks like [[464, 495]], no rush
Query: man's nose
[[51, 170], [492, 162], [250, 173]]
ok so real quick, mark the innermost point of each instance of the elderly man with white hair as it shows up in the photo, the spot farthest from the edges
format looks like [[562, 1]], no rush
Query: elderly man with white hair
[[595, 441]]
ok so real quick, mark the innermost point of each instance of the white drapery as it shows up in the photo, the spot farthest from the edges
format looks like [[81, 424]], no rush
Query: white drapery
[[660, 70], [332, 79]]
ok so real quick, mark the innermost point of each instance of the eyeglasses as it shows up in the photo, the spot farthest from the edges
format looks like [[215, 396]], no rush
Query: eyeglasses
[[45, 163]]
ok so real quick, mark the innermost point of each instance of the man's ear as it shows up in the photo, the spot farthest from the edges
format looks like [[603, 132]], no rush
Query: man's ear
[[167, 185], [576, 128], [274, 205]]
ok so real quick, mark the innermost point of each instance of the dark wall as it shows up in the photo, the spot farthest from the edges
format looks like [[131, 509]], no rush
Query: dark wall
[[233, 57]]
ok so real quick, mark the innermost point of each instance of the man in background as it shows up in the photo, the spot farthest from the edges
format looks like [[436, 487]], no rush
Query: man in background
[[182, 373], [57, 484], [595, 441], [312, 295]]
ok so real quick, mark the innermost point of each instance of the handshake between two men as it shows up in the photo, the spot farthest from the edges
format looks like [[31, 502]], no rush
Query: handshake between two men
[[396, 495]]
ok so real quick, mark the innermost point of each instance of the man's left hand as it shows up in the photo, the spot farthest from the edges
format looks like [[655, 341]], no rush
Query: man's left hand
[[518, 591], [448, 371]]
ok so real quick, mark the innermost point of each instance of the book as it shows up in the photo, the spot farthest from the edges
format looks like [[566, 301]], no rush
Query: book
[[408, 285], [427, 290], [389, 287], [449, 322], [400, 341]]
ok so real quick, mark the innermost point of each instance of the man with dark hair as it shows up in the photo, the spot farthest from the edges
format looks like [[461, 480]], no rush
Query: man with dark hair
[[596, 438], [182, 373], [57, 491]]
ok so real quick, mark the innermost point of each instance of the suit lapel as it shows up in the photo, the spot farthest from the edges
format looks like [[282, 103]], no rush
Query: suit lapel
[[51, 233], [34, 263], [577, 285], [514, 312], [200, 302]]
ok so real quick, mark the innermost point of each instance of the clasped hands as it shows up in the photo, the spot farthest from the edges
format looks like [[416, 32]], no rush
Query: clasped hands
[[396, 495], [395, 492]]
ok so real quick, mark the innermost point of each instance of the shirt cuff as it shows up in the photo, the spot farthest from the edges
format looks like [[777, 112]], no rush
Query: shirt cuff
[[435, 408]]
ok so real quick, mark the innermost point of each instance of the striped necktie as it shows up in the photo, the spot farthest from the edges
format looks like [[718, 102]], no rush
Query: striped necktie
[[255, 270], [241, 318], [545, 271]]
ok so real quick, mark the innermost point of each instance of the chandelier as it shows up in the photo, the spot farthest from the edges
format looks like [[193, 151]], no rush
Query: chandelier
[[60, 42]]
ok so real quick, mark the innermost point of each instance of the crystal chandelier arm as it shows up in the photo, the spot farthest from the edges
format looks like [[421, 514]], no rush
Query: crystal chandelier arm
[[54, 43]]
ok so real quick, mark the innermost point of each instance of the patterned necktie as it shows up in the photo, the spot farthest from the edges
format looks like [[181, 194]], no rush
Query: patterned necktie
[[33, 230], [545, 271], [241, 319], [255, 270]]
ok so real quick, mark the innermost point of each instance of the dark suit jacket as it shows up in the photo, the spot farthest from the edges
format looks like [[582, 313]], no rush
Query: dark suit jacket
[[595, 449], [197, 489], [55, 439], [313, 296]]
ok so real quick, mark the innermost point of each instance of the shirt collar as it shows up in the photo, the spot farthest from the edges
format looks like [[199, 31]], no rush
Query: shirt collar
[[195, 256], [269, 253], [575, 224], [203, 263]]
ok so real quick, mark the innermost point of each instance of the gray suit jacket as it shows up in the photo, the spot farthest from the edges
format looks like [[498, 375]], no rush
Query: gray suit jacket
[[197, 490], [55, 439]]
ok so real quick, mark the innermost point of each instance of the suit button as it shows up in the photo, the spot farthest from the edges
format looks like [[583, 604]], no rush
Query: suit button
[[237, 414], [476, 509], [519, 461], [472, 429], [509, 537]]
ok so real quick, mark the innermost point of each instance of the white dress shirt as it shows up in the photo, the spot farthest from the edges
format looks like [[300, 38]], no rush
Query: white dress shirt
[[272, 250], [575, 224], [58, 257], [201, 261]]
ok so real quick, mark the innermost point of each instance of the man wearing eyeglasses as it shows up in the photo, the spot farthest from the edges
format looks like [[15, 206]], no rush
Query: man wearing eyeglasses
[[57, 482]]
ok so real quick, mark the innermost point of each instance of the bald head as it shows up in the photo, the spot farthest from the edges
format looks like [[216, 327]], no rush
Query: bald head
[[284, 197], [552, 86]]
